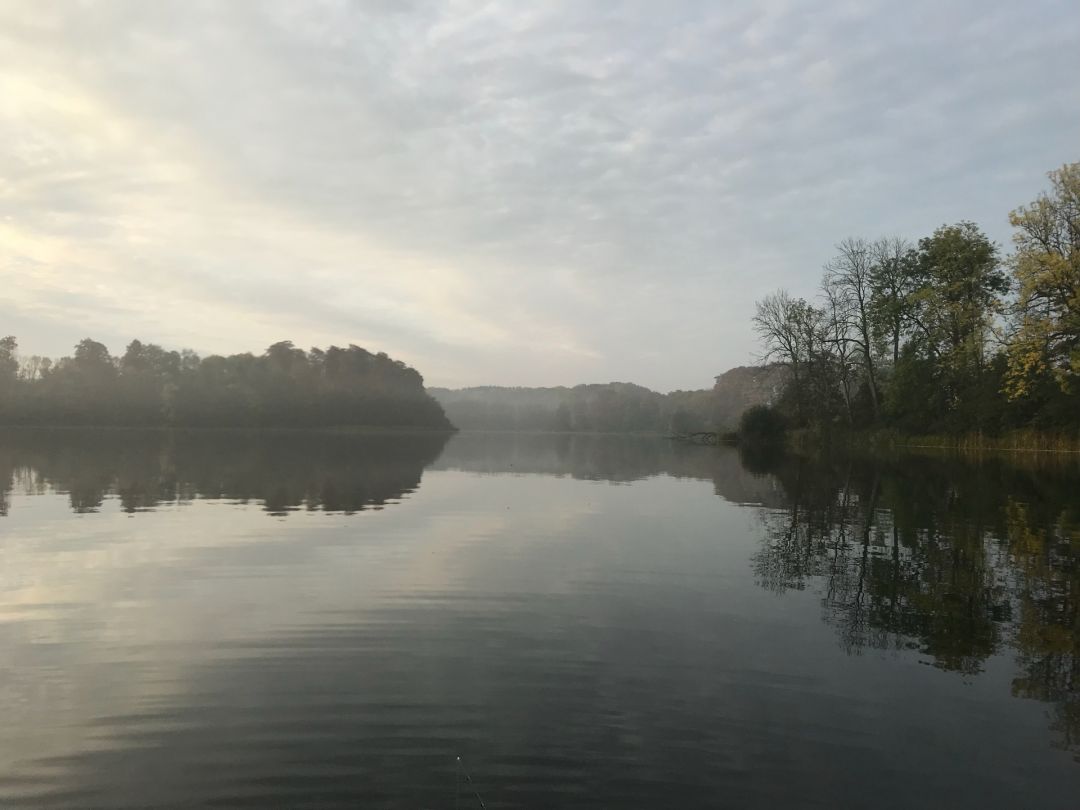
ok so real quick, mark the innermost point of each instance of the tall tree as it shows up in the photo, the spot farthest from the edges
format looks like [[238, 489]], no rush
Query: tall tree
[[794, 335], [893, 281], [9, 361], [1046, 267], [851, 273], [777, 322], [960, 290], [9, 373], [838, 338]]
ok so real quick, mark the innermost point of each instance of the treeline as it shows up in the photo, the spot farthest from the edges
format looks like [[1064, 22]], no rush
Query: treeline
[[147, 385], [602, 408], [944, 335]]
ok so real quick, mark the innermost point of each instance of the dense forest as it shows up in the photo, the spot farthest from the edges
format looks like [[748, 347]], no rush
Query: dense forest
[[945, 335], [148, 385]]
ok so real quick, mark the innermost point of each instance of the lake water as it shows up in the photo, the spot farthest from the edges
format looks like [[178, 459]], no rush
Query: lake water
[[309, 620]]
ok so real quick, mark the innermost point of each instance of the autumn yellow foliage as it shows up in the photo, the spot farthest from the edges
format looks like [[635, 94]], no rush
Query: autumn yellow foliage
[[1046, 267]]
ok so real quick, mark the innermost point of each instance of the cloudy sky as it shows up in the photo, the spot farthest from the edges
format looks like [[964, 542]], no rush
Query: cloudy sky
[[498, 192]]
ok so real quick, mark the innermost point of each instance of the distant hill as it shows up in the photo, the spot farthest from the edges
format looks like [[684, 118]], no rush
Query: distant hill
[[615, 407], [742, 387], [609, 407]]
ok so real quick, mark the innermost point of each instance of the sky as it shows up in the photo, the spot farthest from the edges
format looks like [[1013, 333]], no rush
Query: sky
[[501, 193]]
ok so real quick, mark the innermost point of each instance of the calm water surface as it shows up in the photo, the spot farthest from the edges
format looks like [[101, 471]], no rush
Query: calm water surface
[[229, 619]]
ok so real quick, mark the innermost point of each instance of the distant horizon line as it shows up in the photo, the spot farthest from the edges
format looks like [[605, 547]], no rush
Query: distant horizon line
[[578, 385]]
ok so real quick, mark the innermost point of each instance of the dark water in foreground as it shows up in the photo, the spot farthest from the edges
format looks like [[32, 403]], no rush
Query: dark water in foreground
[[317, 620]]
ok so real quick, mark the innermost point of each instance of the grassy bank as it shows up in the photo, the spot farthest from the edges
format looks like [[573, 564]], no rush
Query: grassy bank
[[1018, 441]]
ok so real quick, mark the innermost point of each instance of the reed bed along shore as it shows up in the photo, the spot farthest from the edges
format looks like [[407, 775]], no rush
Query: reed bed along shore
[[1017, 441]]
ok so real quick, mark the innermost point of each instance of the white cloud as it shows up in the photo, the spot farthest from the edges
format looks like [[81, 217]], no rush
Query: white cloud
[[495, 192]]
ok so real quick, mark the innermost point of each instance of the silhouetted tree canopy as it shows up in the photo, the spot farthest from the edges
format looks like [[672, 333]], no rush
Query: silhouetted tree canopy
[[148, 385], [762, 424]]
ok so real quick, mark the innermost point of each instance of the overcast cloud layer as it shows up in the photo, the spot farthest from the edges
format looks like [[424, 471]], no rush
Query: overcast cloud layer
[[504, 192]]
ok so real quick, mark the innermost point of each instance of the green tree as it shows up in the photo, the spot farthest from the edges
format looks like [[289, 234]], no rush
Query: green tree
[[954, 309], [960, 285], [893, 282], [93, 360], [149, 378], [9, 362], [762, 424], [1046, 267], [9, 375]]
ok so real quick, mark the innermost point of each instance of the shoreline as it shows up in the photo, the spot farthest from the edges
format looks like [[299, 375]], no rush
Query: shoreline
[[1018, 441], [374, 429]]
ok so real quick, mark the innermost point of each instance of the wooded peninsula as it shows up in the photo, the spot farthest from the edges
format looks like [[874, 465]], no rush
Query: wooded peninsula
[[150, 386]]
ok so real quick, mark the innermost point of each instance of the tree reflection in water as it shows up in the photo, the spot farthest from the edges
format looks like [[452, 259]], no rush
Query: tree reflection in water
[[956, 560], [283, 470]]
